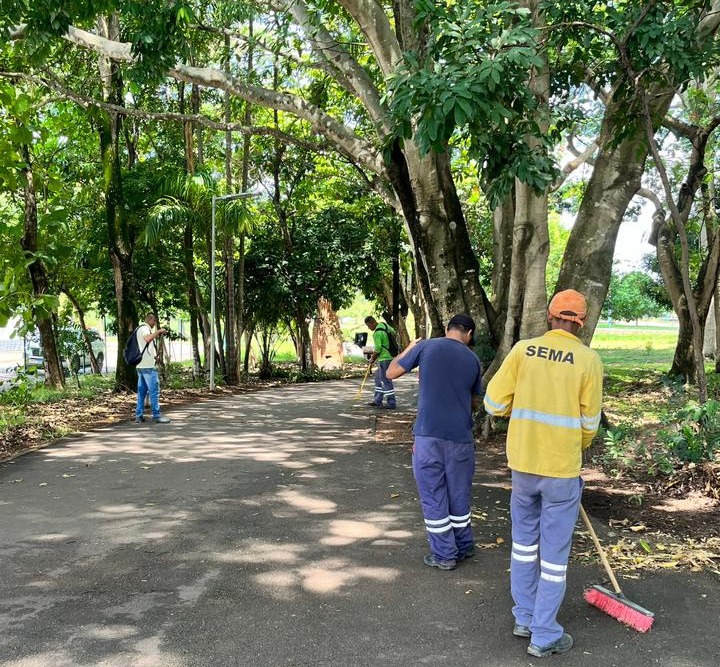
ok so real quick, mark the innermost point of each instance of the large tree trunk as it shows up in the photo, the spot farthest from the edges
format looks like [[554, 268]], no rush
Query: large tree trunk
[[444, 262], [188, 235], [688, 361], [417, 305], [683, 364], [119, 230], [231, 355], [503, 221], [38, 276], [616, 177], [523, 252], [684, 360]]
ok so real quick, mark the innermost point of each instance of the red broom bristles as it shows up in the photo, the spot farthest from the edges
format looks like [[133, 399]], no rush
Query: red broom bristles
[[625, 611]]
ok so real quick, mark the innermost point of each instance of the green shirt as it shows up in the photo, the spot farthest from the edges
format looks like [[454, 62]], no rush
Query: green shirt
[[380, 338]]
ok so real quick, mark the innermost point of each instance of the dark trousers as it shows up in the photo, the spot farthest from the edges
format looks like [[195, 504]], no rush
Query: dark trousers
[[443, 472], [384, 387]]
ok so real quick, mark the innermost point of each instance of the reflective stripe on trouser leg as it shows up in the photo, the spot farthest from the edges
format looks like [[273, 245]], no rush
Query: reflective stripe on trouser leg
[[547, 507], [378, 397], [443, 475], [459, 471], [525, 517]]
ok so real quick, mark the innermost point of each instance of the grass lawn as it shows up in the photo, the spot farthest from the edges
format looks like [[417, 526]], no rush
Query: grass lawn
[[635, 347]]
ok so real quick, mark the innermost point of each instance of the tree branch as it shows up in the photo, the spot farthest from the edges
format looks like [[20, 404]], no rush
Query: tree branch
[[651, 196], [572, 165], [709, 23], [89, 102], [345, 68], [374, 24], [337, 133]]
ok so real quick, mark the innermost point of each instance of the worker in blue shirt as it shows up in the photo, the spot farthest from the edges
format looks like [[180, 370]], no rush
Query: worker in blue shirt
[[444, 446]]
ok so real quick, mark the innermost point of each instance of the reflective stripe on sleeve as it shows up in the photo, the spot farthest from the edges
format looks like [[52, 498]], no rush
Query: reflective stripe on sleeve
[[591, 423], [492, 406]]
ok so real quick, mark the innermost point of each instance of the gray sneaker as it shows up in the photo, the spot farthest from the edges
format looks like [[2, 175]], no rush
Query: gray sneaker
[[431, 561], [562, 645], [161, 420], [521, 631], [139, 420]]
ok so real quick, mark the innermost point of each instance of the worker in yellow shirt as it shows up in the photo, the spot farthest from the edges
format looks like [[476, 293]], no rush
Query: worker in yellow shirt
[[551, 388]]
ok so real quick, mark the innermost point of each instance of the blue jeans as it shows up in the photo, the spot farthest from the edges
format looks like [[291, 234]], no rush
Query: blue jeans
[[148, 383]]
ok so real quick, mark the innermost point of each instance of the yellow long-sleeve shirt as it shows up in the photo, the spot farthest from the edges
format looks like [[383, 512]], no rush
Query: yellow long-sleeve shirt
[[551, 387]]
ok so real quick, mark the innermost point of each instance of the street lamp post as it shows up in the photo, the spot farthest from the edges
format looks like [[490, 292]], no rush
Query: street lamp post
[[215, 199]]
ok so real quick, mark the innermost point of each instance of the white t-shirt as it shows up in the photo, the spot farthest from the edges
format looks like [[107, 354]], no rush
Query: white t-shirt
[[148, 360]]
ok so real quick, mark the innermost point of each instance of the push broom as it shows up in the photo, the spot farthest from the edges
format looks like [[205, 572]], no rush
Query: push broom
[[614, 603], [358, 396]]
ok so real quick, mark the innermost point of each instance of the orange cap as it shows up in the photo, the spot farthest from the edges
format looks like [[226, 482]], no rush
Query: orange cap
[[569, 305]]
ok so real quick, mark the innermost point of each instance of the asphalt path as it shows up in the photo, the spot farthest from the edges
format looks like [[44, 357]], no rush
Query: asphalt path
[[271, 530]]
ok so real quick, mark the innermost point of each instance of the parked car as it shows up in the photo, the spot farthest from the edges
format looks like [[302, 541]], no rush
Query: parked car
[[71, 348]]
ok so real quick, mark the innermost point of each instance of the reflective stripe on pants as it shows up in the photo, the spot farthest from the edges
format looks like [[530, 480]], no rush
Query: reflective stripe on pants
[[384, 387], [443, 472]]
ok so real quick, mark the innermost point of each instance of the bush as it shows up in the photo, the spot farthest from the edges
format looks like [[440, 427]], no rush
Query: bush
[[622, 451], [22, 389], [696, 436]]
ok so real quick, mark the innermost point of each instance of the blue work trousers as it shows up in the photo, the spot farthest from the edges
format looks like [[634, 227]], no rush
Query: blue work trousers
[[384, 387], [443, 472], [543, 511], [148, 383]]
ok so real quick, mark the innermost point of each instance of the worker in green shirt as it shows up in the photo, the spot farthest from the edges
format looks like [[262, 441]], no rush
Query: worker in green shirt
[[384, 337]]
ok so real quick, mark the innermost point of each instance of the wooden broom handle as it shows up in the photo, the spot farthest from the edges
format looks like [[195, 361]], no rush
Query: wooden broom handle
[[600, 550]]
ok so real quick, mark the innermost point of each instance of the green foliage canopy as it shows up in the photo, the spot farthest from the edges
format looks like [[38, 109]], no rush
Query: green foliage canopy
[[631, 297]]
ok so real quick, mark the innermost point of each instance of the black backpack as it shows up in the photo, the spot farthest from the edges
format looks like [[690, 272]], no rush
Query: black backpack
[[392, 347], [132, 353]]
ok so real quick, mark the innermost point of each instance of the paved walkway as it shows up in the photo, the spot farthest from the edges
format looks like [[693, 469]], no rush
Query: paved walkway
[[270, 530]]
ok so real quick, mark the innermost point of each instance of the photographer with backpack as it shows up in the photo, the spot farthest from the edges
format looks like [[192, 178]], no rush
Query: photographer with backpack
[[385, 339], [148, 380]]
